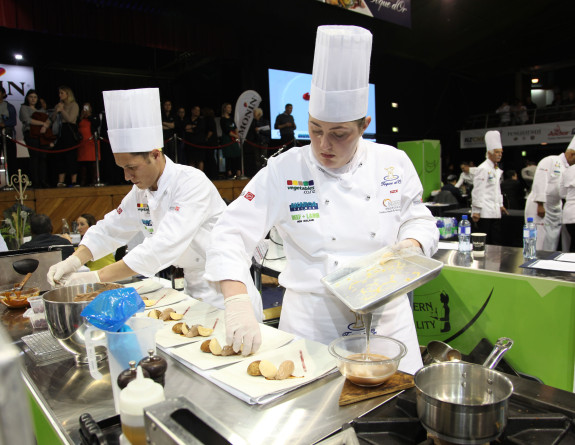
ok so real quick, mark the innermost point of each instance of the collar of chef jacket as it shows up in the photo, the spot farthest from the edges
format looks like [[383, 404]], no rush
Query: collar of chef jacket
[[164, 183], [564, 160]]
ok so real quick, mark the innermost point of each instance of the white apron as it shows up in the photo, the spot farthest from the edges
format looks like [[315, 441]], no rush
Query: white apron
[[323, 317]]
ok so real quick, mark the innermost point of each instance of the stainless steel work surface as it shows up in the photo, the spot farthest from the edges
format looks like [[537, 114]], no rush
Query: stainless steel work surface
[[303, 416], [501, 259]]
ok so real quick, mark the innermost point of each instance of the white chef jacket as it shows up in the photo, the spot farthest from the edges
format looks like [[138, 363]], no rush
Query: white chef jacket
[[176, 221], [326, 219], [545, 189], [466, 178], [567, 192], [486, 197]]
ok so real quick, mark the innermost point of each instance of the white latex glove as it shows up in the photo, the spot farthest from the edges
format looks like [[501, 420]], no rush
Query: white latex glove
[[60, 272], [242, 328], [83, 278], [406, 248]]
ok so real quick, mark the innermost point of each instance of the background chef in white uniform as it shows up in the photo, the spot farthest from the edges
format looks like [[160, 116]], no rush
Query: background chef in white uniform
[[544, 203], [486, 197], [332, 201], [567, 192], [174, 206]]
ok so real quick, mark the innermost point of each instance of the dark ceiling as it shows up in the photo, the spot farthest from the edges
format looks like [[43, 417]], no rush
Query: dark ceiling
[[471, 38], [460, 57]]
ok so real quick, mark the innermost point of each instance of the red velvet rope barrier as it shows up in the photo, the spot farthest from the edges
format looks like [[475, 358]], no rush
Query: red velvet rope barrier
[[41, 149]]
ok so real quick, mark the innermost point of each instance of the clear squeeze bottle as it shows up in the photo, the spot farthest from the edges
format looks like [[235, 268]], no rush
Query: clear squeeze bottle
[[464, 233], [529, 240], [139, 394]]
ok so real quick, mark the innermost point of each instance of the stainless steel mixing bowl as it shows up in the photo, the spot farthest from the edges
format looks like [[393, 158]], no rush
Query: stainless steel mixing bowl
[[65, 322]]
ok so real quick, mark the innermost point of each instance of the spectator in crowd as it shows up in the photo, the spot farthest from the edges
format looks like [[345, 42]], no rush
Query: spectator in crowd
[[211, 140], [85, 221], [527, 174], [504, 112], [450, 186], [87, 126], [486, 199], [30, 114], [259, 134], [512, 190], [41, 229], [519, 113], [66, 113], [7, 123], [195, 134], [544, 203], [231, 147], [465, 181], [286, 125], [168, 129], [179, 129]]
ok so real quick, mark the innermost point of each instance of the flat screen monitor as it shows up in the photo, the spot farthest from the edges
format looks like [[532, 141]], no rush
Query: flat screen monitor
[[288, 87]]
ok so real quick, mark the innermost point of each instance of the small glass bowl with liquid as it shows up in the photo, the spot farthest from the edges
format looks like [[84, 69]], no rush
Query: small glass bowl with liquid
[[367, 369]]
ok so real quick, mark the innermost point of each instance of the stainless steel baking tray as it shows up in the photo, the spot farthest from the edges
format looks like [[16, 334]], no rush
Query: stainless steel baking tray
[[368, 282]]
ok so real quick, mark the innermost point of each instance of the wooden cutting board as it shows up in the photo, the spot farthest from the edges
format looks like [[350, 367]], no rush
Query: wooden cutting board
[[352, 393]]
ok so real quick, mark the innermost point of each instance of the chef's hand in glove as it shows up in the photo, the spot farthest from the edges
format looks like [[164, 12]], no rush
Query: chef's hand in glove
[[242, 328], [83, 278], [60, 272], [407, 247]]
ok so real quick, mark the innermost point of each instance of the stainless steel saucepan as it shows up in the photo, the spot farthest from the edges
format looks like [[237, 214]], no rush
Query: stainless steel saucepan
[[465, 403]]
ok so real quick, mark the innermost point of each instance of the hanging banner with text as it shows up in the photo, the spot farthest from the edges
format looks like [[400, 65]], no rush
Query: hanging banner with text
[[246, 104], [535, 134], [394, 11]]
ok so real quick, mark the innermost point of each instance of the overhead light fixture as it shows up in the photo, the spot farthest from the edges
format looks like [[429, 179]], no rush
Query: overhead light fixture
[[535, 80], [524, 153], [543, 143], [395, 129], [394, 105], [18, 56]]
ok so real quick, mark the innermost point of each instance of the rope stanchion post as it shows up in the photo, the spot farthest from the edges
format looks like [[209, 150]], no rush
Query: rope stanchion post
[[96, 136], [7, 183], [175, 144]]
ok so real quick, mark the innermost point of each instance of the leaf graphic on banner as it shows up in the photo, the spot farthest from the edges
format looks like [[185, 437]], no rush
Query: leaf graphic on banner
[[2, 71]]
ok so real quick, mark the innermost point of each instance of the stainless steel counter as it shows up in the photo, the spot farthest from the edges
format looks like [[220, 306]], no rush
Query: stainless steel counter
[[304, 416], [501, 259]]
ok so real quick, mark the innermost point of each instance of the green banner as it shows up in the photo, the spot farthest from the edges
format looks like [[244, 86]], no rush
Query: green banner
[[426, 158], [462, 306]]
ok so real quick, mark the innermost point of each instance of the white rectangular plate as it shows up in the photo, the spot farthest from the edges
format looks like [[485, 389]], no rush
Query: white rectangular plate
[[318, 362], [166, 338], [271, 339]]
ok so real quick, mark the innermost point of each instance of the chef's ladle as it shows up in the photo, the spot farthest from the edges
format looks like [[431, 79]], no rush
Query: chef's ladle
[[26, 266]]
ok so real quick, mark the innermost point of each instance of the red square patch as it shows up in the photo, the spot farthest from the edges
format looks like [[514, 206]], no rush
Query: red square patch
[[249, 196], [119, 210]]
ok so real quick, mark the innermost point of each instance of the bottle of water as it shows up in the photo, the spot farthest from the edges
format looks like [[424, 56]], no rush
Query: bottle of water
[[529, 240], [464, 234], [65, 226]]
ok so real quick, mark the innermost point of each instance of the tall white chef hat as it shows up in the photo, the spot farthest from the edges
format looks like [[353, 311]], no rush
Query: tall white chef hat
[[134, 120], [340, 78], [493, 140], [571, 145]]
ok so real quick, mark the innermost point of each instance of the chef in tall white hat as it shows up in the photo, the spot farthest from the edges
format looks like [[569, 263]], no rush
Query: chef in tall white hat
[[544, 202], [174, 206], [332, 201], [486, 198]]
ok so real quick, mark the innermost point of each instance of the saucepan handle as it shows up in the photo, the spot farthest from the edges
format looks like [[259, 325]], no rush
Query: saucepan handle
[[502, 345]]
